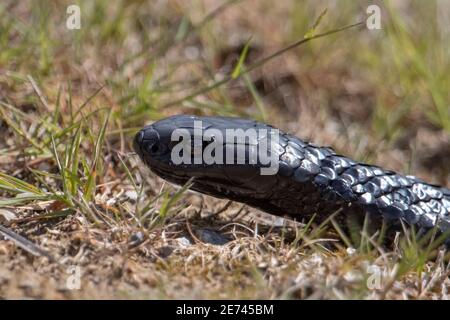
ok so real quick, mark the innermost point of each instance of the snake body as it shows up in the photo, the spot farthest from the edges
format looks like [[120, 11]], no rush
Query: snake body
[[311, 180]]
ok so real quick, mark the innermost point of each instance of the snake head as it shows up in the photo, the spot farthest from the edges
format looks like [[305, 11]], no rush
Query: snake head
[[158, 145], [151, 145]]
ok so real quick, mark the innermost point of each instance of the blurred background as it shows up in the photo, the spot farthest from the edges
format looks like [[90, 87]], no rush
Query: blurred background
[[380, 96]]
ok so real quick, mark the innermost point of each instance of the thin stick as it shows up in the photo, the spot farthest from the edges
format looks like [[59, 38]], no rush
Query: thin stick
[[24, 243], [257, 64]]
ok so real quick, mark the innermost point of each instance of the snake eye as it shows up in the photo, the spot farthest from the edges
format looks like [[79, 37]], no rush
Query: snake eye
[[154, 148]]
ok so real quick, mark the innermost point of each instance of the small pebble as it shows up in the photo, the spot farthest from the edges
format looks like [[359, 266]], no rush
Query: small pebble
[[183, 242], [165, 251], [132, 195], [136, 239], [6, 216], [210, 236], [351, 251]]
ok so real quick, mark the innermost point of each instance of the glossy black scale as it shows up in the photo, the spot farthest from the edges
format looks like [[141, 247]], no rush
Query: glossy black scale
[[311, 179]]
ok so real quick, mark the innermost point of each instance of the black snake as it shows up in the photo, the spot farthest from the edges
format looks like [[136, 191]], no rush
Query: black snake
[[310, 179]]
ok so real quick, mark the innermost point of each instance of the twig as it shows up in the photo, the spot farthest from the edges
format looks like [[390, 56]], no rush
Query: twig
[[256, 65], [25, 244], [38, 92]]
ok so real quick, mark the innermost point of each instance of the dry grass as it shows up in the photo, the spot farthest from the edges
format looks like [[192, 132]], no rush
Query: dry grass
[[70, 102]]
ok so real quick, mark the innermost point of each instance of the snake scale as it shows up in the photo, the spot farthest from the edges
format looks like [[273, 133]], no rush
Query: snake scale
[[311, 180]]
